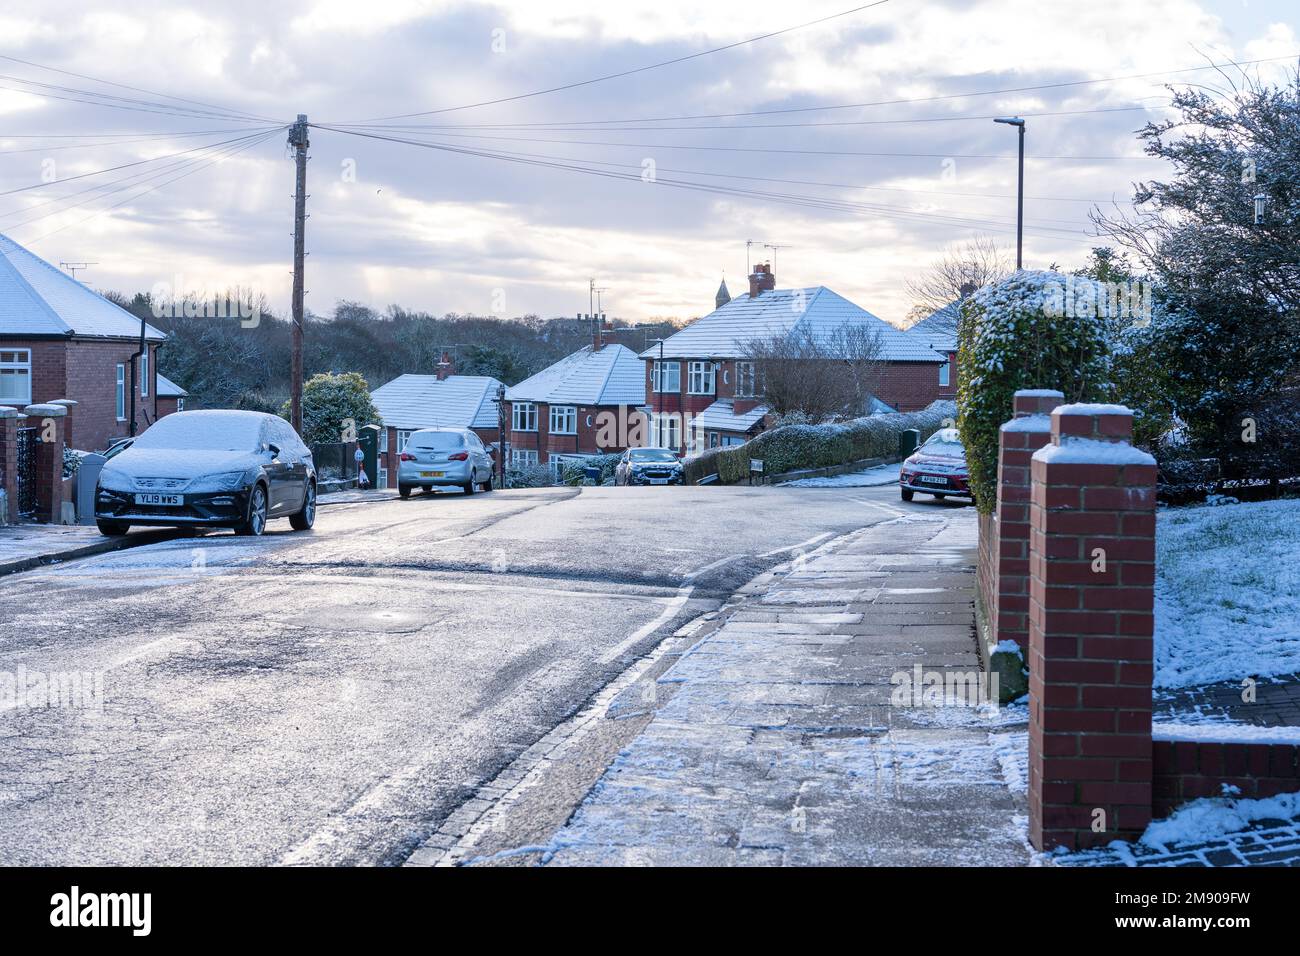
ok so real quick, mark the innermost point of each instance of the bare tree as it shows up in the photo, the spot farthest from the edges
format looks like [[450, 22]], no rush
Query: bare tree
[[958, 273], [817, 378]]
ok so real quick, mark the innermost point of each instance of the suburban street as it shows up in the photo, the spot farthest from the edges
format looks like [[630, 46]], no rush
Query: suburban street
[[330, 697]]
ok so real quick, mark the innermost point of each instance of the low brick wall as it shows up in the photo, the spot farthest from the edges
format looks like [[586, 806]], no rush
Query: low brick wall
[[1184, 770]]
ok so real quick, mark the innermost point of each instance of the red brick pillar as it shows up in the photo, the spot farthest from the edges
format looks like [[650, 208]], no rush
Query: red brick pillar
[[1018, 439], [1092, 574], [69, 404], [9, 419], [48, 420]]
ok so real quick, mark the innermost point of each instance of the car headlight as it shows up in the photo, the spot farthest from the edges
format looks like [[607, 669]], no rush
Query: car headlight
[[226, 481], [114, 480]]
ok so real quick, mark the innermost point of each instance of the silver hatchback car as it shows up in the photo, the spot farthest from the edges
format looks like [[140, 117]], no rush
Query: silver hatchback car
[[444, 457]]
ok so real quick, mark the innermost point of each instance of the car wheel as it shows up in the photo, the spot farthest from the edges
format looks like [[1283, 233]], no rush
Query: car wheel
[[940, 497], [304, 519], [907, 493], [255, 523], [470, 485], [486, 486], [112, 529], [404, 491]]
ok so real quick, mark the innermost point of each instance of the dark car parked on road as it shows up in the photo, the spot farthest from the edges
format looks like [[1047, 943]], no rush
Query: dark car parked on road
[[214, 468], [937, 468], [648, 466]]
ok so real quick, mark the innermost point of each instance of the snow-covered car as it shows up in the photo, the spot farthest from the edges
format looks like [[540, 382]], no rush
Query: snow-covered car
[[444, 457], [937, 468], [214, 468], [648, 466]]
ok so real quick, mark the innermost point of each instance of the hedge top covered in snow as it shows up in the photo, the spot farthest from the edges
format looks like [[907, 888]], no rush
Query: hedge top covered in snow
[[1089, 451], [1092, 408]]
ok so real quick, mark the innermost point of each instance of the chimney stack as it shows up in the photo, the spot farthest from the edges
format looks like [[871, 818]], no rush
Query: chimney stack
[[600, 327], [446, 366], [761, 280]]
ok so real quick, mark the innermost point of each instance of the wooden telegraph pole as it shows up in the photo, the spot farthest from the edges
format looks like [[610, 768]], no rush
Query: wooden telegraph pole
[[298, 140]]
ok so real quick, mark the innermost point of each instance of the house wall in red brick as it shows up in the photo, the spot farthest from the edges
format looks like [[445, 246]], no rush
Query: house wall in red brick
[[625, 429], [1188, 770]]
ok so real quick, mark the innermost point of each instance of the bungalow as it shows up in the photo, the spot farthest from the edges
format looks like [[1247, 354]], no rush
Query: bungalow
[[411, 402], [588, 403], [703, 392], [171, 397], [59, 339], [938, 330]]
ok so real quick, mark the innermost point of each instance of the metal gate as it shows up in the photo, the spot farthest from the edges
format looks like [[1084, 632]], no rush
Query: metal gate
[[28, 503]]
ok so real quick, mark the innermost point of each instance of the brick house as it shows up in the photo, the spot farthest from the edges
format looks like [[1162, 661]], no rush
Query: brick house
[[59, 339], [938, 330], [588, 403], [702, 393], [443, 400], [171, 397]]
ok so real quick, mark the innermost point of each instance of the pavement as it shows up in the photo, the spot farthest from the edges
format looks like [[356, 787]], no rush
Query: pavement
[[27, 546], [772, 732], [333, 697]]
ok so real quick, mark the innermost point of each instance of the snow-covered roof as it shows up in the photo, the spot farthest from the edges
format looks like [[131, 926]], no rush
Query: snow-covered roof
[[422, 401], [939, 329], [37, 298], [169, 389], [723, 332], [612, 376], [720, 417]]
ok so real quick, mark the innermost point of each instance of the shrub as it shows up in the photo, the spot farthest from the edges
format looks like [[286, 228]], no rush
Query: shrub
[[529, 476], [575, 472], [794, 447], [1014, 335]]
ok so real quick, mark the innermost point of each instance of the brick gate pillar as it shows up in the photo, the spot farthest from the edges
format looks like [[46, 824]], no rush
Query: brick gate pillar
[[1018, 439], [48, 421], [9, 419], [1092, 575]]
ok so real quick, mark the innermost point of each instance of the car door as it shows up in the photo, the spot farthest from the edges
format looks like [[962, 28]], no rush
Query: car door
[[279, 469], [482, 460]]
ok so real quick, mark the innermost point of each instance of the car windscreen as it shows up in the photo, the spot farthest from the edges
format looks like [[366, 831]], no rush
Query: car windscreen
[[436, 441], [652, 454], [950, 449], [202, 432]]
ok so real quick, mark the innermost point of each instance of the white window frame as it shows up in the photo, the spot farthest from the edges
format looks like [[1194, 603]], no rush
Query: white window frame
[[403, 436], [567, 416], [944, 374], [525, 412], [383, 478], [180, 404], [668, 430], [746, 380], [523, 457], [383, 441], [674, 370], [144, 374], [119, 405], [700, 378], [20, 362]]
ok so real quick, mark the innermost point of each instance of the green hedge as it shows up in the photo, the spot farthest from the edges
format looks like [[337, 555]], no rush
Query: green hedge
[[794, 447], [575, 472], [1014, 335]]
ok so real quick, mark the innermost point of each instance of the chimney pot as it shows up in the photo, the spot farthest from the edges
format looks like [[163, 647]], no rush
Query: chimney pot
[[761, 280]]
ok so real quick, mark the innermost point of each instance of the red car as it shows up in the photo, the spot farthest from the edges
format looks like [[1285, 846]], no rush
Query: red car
[[936, 468]]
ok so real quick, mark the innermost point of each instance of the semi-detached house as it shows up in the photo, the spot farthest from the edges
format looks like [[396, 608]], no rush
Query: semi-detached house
[[701, 392]]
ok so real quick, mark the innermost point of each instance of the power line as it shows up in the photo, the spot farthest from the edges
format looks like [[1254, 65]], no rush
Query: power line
[[153, 138], [137, 89], [640, 69]]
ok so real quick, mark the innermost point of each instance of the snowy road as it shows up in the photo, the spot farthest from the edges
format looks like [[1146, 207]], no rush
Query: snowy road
[[329, 698]]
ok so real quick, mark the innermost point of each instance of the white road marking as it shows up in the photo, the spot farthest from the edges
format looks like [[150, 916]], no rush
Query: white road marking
[[796, 547]]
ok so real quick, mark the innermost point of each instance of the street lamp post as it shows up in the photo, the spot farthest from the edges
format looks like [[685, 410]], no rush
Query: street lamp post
[[1019, 123]]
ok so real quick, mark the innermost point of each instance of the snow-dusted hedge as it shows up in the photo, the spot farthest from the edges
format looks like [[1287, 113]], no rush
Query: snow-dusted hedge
[[531, 476], [793, 447], [575, 472], [1023, 332]]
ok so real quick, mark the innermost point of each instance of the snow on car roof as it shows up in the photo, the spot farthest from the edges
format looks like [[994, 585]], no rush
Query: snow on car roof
[[220, 429]]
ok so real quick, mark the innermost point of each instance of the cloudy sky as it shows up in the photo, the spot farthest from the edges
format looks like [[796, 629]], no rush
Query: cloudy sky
[[859, 197]]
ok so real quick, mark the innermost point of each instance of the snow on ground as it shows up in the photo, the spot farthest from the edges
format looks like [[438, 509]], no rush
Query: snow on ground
[[1227, 593], [880, 475]]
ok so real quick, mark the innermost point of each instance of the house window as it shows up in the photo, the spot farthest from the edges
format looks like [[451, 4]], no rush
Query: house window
[[564, 420], [525, 416], [121, 393], [943, 373], [666, 376], [180, 404], [668, 430], [523, 457], [746, 383], [144, 374], [700, 378], [383, 441], [15, 377], [383, 478], [730, 441], [403, 435]]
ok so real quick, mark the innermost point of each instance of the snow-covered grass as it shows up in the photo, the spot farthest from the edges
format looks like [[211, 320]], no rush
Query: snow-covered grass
[[1227, 593], [880, 475]]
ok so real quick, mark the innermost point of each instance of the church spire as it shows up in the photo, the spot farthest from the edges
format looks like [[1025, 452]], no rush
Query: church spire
[[723, 296]]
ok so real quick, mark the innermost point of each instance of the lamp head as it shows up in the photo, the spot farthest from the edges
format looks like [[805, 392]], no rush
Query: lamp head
[[1010, 120]]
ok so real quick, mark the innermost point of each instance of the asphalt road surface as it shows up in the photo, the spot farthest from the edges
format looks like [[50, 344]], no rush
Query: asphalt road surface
[[330, 697]]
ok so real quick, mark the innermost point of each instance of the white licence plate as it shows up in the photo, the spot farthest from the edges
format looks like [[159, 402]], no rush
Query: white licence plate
[[931, 480], [658, 481], [432, 474], [171, 500]]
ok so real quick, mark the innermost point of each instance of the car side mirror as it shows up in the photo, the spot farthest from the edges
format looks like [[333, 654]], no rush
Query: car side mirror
[[274, 449]]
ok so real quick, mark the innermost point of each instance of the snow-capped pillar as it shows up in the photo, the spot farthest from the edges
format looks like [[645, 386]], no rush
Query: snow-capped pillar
[[9, 418], [1092, 575], [1028, 431], [49, 421]]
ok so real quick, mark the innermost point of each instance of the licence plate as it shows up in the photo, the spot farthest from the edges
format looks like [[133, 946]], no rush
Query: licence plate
[[432, 474], [931, 480], [658, 481], [172, 500]]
